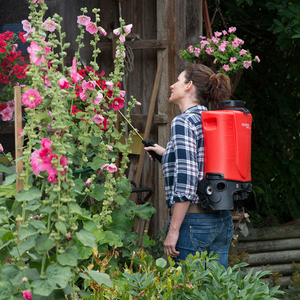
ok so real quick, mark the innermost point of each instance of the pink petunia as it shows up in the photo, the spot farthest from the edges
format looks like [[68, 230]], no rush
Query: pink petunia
[[98, 99], [222, 48], [36, 1], [50, 25], [31, 98], [202, 37], [197, 51], [7, 114], [98, 119], [35, 57], [247, 64], [118, 103], [91, 28], [231, 29], [224, 32], [27, 294], [63, 83], [217, 34], [242, 52], [14, 47], [226, 68], [83, 20], [232, 60], [257, 59], [1, 148], [215, 40], [127, 28], [112, 168], [209, 51]]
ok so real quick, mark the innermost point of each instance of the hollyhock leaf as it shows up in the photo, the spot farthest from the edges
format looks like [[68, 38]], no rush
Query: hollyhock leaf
[[59, 274], [3, 218], [121, 147], [43, 287], [97, 163], [112, 239], [37, 224], [25, 232], [75, 208], [32, 274], [5, 245], [85, 252], [60, 226], [33, 193], [43, 242], [69, 258], [6, 289], [86, 238], [98, 192], [100, 278], [145, 211], [10, 179], [123, 187], [5, 170], [23, 247], [95, 141], [32, 205], [9, 273]]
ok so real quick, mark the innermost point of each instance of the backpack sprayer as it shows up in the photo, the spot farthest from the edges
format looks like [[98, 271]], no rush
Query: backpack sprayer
[[227, 158]]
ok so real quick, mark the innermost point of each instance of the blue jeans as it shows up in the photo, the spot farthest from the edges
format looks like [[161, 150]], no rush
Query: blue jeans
[[205, 232]]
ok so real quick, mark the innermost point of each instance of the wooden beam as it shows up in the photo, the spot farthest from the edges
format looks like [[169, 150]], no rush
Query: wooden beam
[[140, 118]]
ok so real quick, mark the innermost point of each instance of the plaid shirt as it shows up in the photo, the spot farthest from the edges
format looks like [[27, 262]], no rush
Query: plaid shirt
[[183, 159]]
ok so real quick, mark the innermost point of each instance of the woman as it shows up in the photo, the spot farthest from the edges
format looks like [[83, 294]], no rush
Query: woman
[[191, 228]]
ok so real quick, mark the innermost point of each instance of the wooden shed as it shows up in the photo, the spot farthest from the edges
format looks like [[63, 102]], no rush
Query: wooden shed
[[161, 28]]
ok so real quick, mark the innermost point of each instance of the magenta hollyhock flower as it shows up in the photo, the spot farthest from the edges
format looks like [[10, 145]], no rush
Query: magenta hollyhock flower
[[98, 99], [257, 59], [1, 148], [231, 29], [118, 103], [31, 98], [88, 182], [112, 168], [50, 25], [91, 27], [127, 28], [116, 31], [90, 85], [63, 83], [122, 38], [27, 294], [26, 25], [98, 119], [73, 74], [46, 143], [226, 68], [102, 31], [122, 93], [232, 60], [83, 20], [247, 64], [8, 260], [36, 58], [242, 52]]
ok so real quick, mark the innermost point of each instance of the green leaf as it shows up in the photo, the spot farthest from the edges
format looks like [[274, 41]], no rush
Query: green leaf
[[32, 205], [33, 193], [61, 227], [5, 170], [296, 36], [75, 208], [145, 211], [95, 141], [24, 232], [23, 247], [69, 258], [43, 287], [86, 238], [37, 224], [100, 278], [59, 274], [161, 262], [98, 192], [6, 289], [43, 242], [9, 273], [123, 186], [10, 179], [97, 163]]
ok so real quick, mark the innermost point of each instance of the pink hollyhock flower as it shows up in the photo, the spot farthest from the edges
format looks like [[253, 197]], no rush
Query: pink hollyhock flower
[[74, 75], [98, 119], [90, 85], [231, 29], [83, 20], [224, 32], [26, 25], [83, 96], [124, 54], [197, 51], [50, 25], [118, 103], [31, 98], [91, 28], [209, 51], [98, 99], [112, 168], [14, 47], [232, 60], [88, 182], [46, 143], [217, 33], [247, 64], [110, 148], [127, 29], [122, 38], [242, 52], [102, 31], [226, 68], [116, 31], [122, 93], [104, 166], [1, 148], [63, 83], [257, 59], [36, 58], [63, 161], [109, 85]]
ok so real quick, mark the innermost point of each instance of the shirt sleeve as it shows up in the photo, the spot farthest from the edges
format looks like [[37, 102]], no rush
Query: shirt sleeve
[[184, 142]]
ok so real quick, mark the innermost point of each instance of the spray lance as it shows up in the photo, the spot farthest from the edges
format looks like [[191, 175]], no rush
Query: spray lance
[[154, 155]]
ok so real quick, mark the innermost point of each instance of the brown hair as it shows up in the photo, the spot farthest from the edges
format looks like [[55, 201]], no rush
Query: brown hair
[[210, 87]]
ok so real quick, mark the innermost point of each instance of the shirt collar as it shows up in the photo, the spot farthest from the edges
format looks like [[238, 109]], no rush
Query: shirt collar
[[195, 108]]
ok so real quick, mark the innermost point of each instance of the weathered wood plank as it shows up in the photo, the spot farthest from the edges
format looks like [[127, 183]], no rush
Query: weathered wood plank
[[268, 246], [157, 119], [284, 269]]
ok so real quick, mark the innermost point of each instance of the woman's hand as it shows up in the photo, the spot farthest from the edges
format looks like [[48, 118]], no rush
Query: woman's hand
[[157, 149]]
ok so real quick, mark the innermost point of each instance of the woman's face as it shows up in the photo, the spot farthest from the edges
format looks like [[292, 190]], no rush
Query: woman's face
[[178, 89]]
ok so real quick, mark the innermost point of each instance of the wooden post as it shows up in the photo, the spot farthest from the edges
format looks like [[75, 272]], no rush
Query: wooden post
[[18, 140]]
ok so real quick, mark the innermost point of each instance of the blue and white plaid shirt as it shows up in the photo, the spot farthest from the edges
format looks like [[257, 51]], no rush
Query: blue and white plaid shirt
[[183, 159]]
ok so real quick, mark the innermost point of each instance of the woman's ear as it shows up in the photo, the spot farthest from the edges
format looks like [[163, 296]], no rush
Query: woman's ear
[[189, 85]]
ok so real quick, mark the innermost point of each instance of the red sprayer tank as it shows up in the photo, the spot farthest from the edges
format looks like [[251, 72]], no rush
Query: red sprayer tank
[[227, 157]]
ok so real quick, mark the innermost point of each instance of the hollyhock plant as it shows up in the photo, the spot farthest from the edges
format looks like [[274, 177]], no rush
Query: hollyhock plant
[[35, 56], [223, 51]]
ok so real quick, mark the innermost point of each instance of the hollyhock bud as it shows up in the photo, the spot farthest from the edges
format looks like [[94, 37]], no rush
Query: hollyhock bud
[[27, 295], [88, 182], [116, 31], [127, 29], [102, 31]]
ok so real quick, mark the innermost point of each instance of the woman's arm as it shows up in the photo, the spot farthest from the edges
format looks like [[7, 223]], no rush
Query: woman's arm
[[170, 242], [157, 149]]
